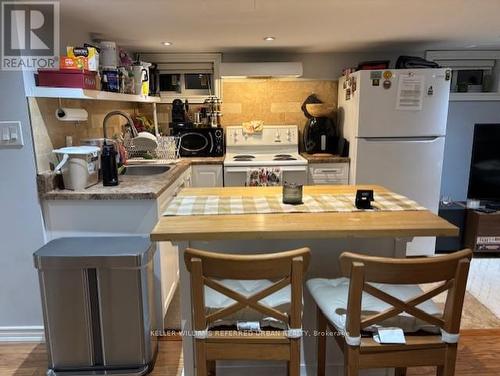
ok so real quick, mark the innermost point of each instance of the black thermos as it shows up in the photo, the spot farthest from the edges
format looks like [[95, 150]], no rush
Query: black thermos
[[108, 166]]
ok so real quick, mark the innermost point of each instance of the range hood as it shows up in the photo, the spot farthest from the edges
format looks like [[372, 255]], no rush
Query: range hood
[[261, 70]]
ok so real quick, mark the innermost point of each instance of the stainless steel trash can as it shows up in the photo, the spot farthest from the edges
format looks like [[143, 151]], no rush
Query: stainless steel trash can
[[98, 304]]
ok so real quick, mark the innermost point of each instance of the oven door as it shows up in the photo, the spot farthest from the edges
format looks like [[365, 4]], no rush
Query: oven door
[[196, 144], [237, 176]]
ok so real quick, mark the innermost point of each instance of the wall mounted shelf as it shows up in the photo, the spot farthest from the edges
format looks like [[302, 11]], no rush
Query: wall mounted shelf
[[75, 93]]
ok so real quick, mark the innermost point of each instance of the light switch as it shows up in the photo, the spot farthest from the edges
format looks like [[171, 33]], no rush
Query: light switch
[[5, 134], [10, 134], [13, 133]]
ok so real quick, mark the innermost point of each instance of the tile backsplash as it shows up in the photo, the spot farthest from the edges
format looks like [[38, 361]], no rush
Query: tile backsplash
[[50, 133], [272, 101]]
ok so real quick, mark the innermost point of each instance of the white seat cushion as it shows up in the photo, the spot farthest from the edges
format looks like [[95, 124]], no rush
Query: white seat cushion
[[331, 296], [279, 300]]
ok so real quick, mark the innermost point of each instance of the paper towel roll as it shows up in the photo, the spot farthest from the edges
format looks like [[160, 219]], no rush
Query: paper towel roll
[[71, 114]]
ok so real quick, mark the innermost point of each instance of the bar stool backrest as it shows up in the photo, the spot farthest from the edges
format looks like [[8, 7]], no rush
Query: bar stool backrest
[[283, 268], [451, 270]]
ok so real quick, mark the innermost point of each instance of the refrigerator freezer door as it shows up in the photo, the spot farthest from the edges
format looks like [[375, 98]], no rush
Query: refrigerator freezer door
[[408, 166], [415, 104]]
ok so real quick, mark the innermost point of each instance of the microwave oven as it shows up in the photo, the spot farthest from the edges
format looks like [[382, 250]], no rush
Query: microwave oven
[[200, 142]]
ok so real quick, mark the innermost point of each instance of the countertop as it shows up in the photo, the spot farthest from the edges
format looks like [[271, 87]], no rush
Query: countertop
[[130, 188], [203, 160], [324, 158], [298, 225]]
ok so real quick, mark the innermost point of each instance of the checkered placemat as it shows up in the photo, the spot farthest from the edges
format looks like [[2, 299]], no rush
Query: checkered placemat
[[221, 205]]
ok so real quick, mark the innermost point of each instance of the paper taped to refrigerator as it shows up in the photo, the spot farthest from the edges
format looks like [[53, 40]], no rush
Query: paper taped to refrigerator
[[410, 92]]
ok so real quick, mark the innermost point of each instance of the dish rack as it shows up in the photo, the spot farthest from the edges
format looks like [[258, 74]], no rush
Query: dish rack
[[167, 150]]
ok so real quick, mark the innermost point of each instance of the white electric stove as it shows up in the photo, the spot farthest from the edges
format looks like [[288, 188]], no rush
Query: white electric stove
[[276, 146]]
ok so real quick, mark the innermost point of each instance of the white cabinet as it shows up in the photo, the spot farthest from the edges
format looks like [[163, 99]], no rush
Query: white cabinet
[[167, 264], [207, 175], [328, 173]]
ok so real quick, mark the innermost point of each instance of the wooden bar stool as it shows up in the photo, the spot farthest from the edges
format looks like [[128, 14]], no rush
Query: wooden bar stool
[[384, 291], [226, 288]]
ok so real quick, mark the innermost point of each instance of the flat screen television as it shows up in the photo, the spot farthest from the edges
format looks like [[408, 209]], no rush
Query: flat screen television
[[484, 177]]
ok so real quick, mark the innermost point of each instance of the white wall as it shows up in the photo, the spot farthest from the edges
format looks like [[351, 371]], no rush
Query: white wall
[[21, 226], [21, 223], [321, 66], [458, 146]]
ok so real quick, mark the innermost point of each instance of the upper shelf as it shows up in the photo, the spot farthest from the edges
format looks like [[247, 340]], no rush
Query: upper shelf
[[75, 93], [474, 97]]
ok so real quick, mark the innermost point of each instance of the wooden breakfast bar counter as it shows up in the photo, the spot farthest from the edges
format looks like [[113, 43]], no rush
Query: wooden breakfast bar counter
[[327, 234]]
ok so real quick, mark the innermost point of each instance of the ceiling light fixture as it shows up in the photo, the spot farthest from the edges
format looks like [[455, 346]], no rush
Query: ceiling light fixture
[[166, 43], [269, 39]]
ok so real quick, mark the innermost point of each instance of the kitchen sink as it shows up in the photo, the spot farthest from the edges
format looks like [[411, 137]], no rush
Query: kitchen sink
[[145, 170]]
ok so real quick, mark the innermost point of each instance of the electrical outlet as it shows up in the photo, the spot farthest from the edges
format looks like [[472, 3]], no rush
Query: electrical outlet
[[11, 134]]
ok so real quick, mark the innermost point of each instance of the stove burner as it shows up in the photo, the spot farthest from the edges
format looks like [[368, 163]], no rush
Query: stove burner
[[243, 159], [244, 156], [283, 156], [290, 158]]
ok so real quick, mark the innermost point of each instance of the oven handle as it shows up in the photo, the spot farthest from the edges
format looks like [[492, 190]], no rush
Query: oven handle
[[328, 170], [283, 168]]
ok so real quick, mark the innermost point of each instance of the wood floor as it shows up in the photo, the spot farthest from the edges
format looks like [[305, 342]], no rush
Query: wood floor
[[479, 355], [30, 359]]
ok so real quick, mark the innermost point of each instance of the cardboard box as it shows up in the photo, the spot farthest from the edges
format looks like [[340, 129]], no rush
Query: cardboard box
[[68, 78], [91, 55], [74, 63]]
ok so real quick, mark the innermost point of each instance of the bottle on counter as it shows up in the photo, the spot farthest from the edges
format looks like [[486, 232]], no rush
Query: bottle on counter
[[109, 167]]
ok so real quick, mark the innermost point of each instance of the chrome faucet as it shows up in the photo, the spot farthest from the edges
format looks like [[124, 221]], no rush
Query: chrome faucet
[[130, 123]]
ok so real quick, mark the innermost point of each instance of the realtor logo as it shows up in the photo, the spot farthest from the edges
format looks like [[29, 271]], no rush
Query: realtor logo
[[30, 35]]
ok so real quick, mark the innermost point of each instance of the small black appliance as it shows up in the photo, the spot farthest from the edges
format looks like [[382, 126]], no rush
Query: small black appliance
[[364, 198], [200, 142], [321, 136], [180, 117], [320, 133]]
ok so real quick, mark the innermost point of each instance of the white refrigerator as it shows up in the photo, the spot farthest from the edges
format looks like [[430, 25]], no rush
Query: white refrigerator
[[395, 122]]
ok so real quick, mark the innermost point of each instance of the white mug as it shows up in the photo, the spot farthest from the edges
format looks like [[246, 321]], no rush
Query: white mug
[[141, 80]]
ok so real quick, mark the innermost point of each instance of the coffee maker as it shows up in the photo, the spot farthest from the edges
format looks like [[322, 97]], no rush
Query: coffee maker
[[321, 136], [180, 118]]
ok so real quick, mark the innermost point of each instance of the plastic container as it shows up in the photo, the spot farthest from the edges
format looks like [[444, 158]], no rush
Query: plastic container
[[79, 166], [108, 58], [67, 78]]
